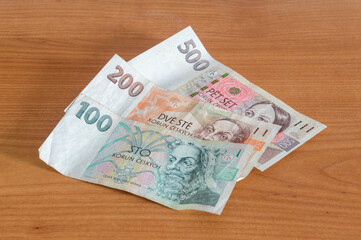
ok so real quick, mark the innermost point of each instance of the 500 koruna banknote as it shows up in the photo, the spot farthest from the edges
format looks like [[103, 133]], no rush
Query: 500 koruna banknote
[[181, 63]]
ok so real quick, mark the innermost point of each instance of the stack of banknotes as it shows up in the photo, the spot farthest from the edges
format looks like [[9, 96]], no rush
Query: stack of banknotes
[[175, 126]]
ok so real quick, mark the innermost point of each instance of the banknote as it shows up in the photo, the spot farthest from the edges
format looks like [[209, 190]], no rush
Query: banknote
[[169, 168], [122, 92], [174, 170], [181, 63]]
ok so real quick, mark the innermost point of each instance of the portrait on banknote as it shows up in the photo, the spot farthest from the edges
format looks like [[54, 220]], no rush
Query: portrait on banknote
[[267, 111], [225, 129], [187, 177]]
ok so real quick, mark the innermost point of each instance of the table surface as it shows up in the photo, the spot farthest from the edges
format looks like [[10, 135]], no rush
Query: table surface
[[307, 53]]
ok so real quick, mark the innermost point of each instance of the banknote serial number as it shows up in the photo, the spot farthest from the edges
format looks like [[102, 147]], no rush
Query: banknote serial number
[[193, 56], [126, 82], [92, 116]]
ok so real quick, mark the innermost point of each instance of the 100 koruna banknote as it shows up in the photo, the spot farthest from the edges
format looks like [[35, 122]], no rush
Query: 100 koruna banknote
[[169, 168], [181, 63]]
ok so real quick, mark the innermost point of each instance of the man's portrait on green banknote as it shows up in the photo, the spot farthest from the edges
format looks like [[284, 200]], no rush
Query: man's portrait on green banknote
[[187, 175]]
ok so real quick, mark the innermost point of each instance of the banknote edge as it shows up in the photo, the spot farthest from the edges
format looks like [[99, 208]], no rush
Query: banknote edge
[[263, 167]]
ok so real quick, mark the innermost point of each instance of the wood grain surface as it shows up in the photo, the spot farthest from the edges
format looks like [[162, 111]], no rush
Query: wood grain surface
[[307, 53]]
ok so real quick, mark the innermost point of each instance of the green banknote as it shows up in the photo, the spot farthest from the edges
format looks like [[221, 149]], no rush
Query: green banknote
[[169, 168]]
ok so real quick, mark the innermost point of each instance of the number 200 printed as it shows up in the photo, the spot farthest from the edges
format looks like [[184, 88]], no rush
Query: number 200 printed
[[126, 82]]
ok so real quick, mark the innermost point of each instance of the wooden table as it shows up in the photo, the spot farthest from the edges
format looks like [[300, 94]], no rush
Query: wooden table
[[307, 53]]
